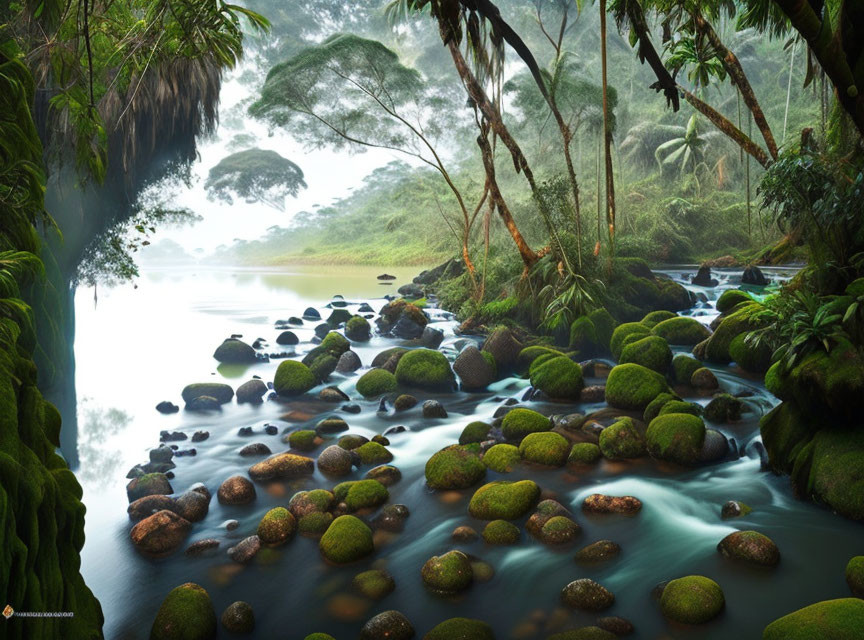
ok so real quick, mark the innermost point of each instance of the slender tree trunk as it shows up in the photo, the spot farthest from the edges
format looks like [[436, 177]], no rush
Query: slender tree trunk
[[789, 90], [727, 128], [599, 190], [607, 136], [529, 257], [739, 78]]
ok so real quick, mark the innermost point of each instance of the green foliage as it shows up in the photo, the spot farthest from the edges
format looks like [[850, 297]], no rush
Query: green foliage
[[255, 175]]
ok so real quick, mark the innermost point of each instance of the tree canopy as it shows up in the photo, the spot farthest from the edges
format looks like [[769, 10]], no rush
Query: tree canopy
[[255, 175]]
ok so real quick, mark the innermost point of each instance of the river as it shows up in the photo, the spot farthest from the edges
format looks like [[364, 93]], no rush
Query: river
[[139, 346]]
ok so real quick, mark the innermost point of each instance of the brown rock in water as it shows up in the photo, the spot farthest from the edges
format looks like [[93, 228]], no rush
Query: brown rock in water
[[750, 546], [202, 546], [546, 510], [192, 506], [245, 550], [335, 461], [705, 379], [238, 617], [734, 509], [464, 534], [148, 485], [392, 518], [587, 595], [616, 625], [255, 449], [148, 505], [599, 503], [594, 393], [389, 625], [236, 490], [282, 466], [160, 534], [599, 551], [386, 474]]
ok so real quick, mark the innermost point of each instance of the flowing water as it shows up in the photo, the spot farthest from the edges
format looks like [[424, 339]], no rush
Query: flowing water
[[140, 346]]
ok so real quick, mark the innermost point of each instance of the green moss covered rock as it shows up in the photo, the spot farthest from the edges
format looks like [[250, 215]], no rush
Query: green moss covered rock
[[503, 500], [559, 378], [358, 329], [293, 378], [455, 467], [621, 441], [583, 337], [744, 318], [654, 318], [584, 453], [692, 600], [676, 437], [460, 629], [631, 330], [234, 351], [651, 352], [751, 547], [855, 576], [841, 619], [656, 405], [347, 539], [185, 614], [314, 524], [474, 432], [584, 633], [520, 422], [361, 494], [751, 358], [502, 458], [277, 526], [547, 448], [304, 440], [374, 584], [448, 573], [682, 330], [501, 532], [376, 382], [731, 298], [222, 392], [529, 354], [724, 408], [632, 386], [604, 326], [373, 453], [425, 369], [680, 406], [683, 368]]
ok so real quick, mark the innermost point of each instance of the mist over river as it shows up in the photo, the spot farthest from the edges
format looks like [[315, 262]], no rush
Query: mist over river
[[140, 346]]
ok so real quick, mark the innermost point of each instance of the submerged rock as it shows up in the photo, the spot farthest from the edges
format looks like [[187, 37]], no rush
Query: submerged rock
[[587, 595], [160, 534], [238, 617], [389, 625]]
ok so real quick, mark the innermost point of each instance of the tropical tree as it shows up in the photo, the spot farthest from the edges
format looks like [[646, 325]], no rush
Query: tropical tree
[[255, 175]]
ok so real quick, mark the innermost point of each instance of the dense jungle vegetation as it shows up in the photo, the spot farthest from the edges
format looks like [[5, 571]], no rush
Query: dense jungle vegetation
[[550, 150]]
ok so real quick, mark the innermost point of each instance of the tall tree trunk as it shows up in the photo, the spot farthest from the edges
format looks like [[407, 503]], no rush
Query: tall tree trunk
[[529, 257], [739, 78], [607, 137]]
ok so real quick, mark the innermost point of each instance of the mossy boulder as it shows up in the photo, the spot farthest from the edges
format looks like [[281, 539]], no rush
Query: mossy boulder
[[841, 619], [150, 484], [277, 526], [314, 524], [234, 351], [476, 431], [186, 614], [222, 392], [604, 325], [683, 368], [319, 636], [455, 467], [632, 386], [546, 448], [559, 378], [501, 532], [743, 318], [682, 331], [654, 318], [529, 354], [692, 600], [583, 338], [503, 500], [361, 494], [374, 584], [623, 332], [752, 358], [293, 378], [724, 408], [520, 422], [559, 530], [448, 573], [376, 382], [347, 539], [730, 299], [282, 466], [315, 501], [751, 547], [357, 329], [836, 470], [621, 441], [855, 576], [652, 352], [460, 629], [374, 453], [656, 405], [502, 458], [304, 440], [680, 406], [338, 316], [425, 369], [584, 453], [676, 437]]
